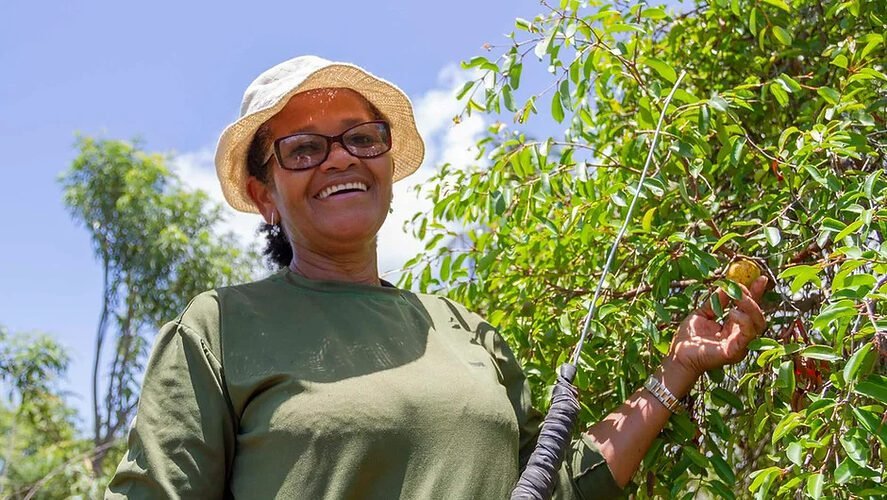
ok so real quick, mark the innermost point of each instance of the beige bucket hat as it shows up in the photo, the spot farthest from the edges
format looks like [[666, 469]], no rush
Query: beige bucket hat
[[270, 92]]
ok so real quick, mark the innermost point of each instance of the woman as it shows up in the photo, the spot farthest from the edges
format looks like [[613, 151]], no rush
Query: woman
[[323, 381]]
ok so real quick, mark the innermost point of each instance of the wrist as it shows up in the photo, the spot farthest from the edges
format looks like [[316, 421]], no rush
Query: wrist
[[676, 377]]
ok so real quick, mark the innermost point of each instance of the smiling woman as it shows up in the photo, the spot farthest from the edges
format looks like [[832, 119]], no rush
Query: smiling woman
[[324, 381], [334, 179]]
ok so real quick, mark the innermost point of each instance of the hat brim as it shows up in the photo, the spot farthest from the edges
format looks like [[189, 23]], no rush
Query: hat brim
[[407, 148]]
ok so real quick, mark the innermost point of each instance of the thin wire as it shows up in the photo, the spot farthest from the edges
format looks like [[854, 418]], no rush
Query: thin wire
[[587, 323]]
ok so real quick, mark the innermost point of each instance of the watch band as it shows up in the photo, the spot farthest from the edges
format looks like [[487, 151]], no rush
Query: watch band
[[660, 392]]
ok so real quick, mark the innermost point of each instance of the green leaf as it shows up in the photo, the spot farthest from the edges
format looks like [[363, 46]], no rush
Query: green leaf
[[834, 311], [507, 98], [870, 180], [445, 268], [874, 386], [844, 472], [737, 150], [779, 4], [782, 35], [871, 423], [696, 457], [464, 89], [830, 95], [762, 479], [722, 468], [647, 220], [829, 224], [792, 484], [789, 83], [557, 110], [795, 453], [683, 426], [705, 120], [733, 290], [785, 380], [542, 48], [662, 68], [655, 13], [854, 443], [814, 485], [783, 137], [840, 61], [529, 108], [851, 369], [724, 239], [871, 45], [849, 229], [820, 352], [753, 21], [718, 103], [716, 307], [803, 274], [721, 397], [779, 93], [786, 425], [773, 235]]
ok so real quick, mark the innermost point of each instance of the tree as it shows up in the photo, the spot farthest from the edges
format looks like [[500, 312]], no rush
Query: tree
[[157, 246], [773, 149], [42, 456]]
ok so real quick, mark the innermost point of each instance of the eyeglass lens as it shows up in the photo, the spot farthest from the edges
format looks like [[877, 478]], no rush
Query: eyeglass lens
[[366, 140]]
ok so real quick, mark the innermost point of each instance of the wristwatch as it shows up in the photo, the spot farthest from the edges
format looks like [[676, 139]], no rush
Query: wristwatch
[[660, 392]]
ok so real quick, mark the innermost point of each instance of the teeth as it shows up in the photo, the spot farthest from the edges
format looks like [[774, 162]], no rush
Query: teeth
[[341, 187]]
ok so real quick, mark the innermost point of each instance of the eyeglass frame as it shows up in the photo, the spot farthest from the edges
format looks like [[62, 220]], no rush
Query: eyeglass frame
[[330, 140]]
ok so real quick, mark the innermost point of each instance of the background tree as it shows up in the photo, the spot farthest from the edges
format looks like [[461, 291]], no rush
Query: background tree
[[158, 248], [42, 455], [774, 149]]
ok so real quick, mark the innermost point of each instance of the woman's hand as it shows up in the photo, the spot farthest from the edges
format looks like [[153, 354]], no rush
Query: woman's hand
[[702, 344]]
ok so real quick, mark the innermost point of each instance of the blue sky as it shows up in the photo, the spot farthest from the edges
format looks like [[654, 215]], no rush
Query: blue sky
[[172, 74]]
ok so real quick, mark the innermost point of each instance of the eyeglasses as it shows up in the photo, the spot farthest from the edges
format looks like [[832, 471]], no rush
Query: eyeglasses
[[303, 151]]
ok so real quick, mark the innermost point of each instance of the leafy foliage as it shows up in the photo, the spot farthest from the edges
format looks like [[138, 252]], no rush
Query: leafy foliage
[[773, 149], [42, 456], [158, 248]]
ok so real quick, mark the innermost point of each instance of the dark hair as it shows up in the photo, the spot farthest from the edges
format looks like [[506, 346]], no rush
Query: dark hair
[[278, 249]]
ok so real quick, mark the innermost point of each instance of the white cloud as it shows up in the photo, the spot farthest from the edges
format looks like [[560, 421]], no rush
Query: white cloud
[[198, 171], [445, 142]]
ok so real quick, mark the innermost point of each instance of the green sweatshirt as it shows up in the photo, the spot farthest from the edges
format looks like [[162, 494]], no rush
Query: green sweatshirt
[[293, 388]]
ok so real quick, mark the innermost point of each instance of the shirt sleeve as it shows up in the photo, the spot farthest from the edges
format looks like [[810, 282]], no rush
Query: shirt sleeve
[[585, 473], [181, 442]]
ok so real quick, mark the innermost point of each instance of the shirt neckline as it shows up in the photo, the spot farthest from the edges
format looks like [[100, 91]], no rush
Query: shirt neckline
[[331, 286]]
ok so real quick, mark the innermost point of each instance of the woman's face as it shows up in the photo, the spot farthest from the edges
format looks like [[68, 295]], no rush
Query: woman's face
[[313, 218]]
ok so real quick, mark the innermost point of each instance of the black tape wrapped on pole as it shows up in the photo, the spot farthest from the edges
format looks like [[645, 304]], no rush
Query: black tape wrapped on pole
[[537, 480]]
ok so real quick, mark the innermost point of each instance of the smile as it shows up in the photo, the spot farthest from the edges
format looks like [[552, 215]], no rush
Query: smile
[[342, 188]]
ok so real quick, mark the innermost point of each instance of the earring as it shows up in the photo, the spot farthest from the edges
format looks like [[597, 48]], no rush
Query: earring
[[274, 229]]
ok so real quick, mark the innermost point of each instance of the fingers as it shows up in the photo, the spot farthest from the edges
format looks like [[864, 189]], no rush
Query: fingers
[[706, 310], [748, 304], [739, 330], [702, 324], [740, 323], [758, 287]]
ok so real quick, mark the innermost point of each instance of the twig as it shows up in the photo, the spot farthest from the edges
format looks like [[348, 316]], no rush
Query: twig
[[88, 455]]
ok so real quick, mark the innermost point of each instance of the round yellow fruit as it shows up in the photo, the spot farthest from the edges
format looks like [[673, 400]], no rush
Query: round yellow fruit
[[743, 271]]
